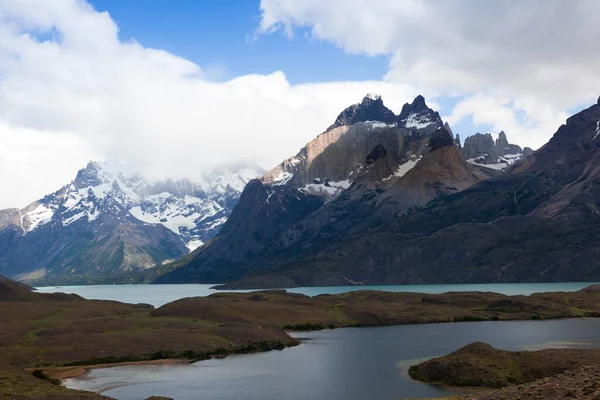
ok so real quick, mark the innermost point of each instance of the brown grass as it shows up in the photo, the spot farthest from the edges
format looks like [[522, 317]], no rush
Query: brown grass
[[44, 332]]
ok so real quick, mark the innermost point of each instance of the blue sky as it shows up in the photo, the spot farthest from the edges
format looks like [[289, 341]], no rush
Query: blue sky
[[216, 34], [73, 91]]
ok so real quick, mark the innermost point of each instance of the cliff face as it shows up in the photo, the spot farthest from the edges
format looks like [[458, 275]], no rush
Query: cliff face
[[500, 154]]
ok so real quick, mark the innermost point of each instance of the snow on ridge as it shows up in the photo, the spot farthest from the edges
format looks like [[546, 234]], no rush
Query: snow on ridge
[[328, 189], [502, 163], [373, 96], [283, 178], [191, 210], [39, 216], [194, 244], [418, 122], [378, 124]]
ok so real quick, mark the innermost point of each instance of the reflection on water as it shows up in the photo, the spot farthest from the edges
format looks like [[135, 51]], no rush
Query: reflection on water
[[158, 295], [348, 364]]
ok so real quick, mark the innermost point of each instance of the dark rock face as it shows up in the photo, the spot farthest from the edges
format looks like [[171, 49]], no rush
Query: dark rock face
[[370, 109], [254, 227], [378, 152], [441, 138], [480, 145]]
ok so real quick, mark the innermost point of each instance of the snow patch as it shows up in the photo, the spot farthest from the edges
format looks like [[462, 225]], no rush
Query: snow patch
[[37, 217], [194, 244], [326, 189], [404, 168], [373, 96], [378, 124], [502, 163], [597, 130], [497, 166], [283, 178], [418, 122]]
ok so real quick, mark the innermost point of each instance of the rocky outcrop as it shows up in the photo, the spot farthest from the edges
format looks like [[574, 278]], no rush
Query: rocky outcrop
[[457, 141], [478, 145], [481, 149]]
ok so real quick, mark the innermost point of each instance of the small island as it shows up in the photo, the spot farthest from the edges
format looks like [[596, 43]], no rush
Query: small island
[[535, 375]]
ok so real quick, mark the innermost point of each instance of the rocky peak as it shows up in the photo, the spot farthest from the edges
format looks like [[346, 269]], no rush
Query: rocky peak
[[88, 176], [457, 141], [418, 115], [482, 149], [371, 108], [441, 138], [480, 144]]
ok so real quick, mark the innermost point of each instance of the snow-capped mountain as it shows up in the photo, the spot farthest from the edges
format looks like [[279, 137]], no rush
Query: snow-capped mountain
[[179, 215], [193, 210], [331, 162]]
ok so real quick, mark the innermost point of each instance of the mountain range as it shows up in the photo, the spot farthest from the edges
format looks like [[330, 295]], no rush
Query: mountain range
[[109, 221], [363, 202], [377, 198]]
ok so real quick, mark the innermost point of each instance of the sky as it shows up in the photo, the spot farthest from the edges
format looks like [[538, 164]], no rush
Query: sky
[[174, 88]]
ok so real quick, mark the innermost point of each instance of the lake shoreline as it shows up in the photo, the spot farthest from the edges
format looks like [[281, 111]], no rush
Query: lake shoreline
[[45, 331], [64, 373]]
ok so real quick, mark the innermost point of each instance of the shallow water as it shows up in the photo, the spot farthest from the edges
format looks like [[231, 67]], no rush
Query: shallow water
[[344, 364], [158, 295]]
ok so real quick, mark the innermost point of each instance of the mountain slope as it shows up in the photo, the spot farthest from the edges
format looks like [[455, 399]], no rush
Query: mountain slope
[[108, 222], [538, 222], [363, 174]]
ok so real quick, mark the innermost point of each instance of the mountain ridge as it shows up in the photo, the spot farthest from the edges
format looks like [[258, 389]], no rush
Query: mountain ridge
[[373, 157], [107, 222]]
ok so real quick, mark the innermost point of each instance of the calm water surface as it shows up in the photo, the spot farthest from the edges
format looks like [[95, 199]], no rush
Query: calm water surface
[[344, 364], [158, 295]]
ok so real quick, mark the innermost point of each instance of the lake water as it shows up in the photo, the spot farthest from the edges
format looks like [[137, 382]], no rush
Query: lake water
[[342, 364], [158, 295]]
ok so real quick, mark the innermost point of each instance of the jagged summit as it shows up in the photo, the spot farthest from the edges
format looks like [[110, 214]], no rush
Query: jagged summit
[[415, 115], [499, 154], [371, 108], [372, 96], [418, 115]]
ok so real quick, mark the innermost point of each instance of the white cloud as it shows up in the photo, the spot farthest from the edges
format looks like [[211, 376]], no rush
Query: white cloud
[[71, 91], [540, 57], [527, 123]]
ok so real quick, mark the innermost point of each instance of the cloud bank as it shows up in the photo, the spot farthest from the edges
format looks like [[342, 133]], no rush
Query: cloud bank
[[71, 91], [519, 64]]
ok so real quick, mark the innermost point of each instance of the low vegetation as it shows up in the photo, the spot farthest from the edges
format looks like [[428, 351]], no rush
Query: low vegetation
[[481, 365], [552, 374], [53, 336]]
